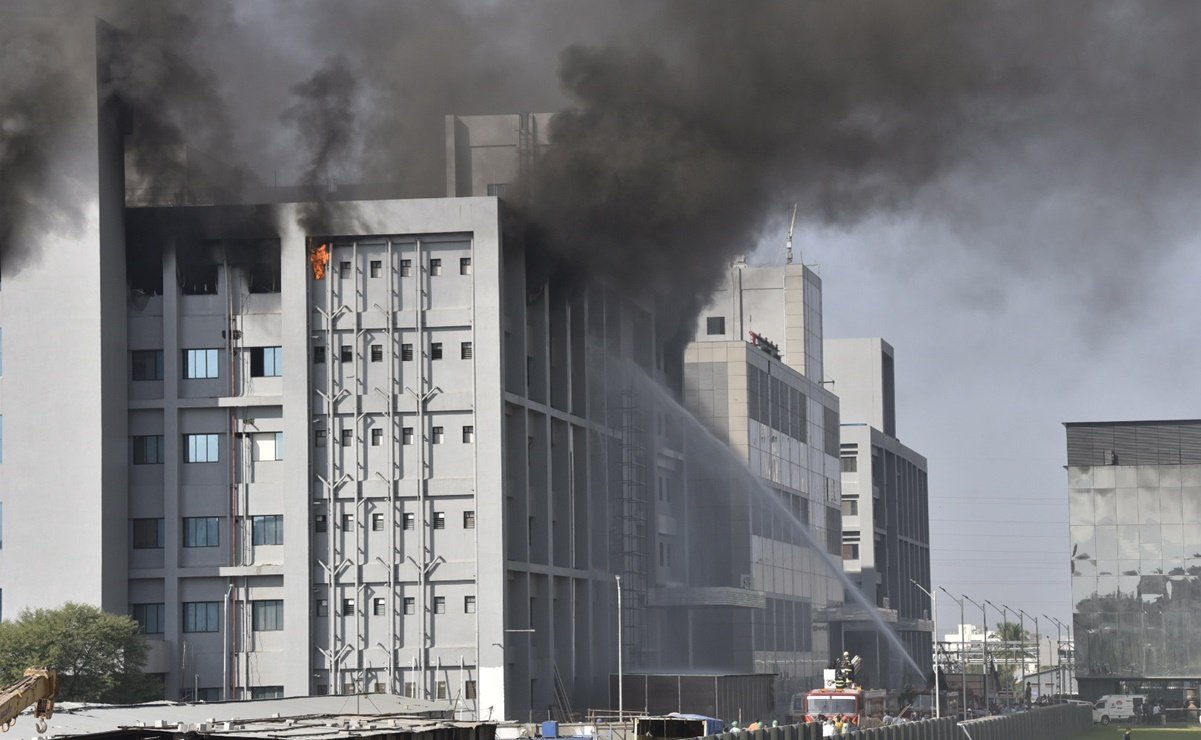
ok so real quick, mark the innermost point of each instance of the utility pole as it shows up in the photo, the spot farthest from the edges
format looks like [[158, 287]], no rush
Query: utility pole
[[1058, 655], [1005, 650], [620, 650], [933, 646], [962, 651], [1037, 650], [983, 652]]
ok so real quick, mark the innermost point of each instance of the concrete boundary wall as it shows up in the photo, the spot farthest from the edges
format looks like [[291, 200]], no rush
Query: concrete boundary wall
[[1046, 723]]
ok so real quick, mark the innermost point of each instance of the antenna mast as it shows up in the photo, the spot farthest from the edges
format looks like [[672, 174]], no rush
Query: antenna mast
[[788, 244]]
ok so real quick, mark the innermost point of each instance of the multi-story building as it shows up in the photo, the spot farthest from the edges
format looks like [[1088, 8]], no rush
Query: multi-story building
[[885, 513], [1134, 509], [780, 523]]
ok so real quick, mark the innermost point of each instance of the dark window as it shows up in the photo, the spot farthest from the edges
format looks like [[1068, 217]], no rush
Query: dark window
[[265, 277], [406, 352], [347, 437], [439, 520], [377, 522], [147, 450], [267, 615], [465, 350], [201, 616], [409, 520], [468, 520], [438, 435], [410, 605], [201, 531], [147, 534], [377, 353], [344, 269], [266, 362], [406, 268], [147, 364], [435, 350], [439, 605], [377, 268], [197, 279], [347, 606], [320, 523], [469, 688], [378, 607], [268, 529], [377, 436], [464, 265], [850, 464], [435, 266], [150, 617], [469, 604], [266, 692], [318, 355], [715, 325], [406, 436], [468, 434], [346, 353]]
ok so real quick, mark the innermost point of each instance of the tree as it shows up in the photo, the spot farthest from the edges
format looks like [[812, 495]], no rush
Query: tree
[[98, 656]]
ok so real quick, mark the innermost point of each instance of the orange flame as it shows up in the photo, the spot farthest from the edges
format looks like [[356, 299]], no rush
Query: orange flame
[[319, 259]]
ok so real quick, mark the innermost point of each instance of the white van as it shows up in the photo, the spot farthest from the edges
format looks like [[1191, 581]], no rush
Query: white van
[[1118, 707]]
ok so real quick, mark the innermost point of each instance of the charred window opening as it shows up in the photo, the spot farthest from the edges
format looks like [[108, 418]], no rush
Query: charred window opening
[[144, 268], [265, 278], [198, 278]]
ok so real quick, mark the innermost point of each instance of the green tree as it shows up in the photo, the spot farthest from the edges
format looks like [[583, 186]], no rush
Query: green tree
[[98, 656]]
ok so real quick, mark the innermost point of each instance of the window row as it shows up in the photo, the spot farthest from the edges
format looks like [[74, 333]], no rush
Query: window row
[[150, 449], [376, 267], [437, 436], [204, 531], [376, 352], [408, 521], [266, 615], [441, 690], [379, 607], [199, 364]]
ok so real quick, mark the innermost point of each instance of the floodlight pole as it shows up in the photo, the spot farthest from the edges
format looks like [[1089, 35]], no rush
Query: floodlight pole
[[962, 650], [933, 645]]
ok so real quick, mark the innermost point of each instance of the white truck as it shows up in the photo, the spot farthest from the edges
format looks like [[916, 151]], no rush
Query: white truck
[[1118, 707]]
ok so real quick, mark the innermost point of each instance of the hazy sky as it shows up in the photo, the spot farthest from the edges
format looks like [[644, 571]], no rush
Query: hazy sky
[[1004, 190]]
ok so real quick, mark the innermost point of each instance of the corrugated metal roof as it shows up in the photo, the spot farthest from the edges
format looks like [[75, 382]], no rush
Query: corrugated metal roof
[[315, 717]]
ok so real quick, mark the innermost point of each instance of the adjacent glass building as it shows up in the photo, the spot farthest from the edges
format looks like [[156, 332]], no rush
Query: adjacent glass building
[[1135, 519]]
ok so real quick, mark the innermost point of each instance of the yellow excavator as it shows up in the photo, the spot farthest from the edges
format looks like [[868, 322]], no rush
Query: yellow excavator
[[37, 687]]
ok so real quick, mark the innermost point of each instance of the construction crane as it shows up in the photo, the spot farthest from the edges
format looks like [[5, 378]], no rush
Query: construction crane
[[788, 244], [38, 687]]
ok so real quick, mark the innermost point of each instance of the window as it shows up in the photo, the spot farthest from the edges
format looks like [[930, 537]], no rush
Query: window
[[266, 362], [266, 692], [377, 268], [850, 552], [147, 364], [469, 604], [377, 353], [267, 529], [406, 436], [410, 689], [149, 617], [469, 688], [435, 350], [465, 350], [318, 355], [148, 534], [435, 266], [409, 520], [201, 448], [267, 446], [406, 353], [468, 434], [201, 616], [347, 438], [850, 464], [410, 605], [322, 607], [406, 268], [377, 522], [347, 607], [468, 520], [147, 450], [347, 522], [319, 438], [267, 615], [378, 607], [201, 531], [496, 189], [715, 325], [320, 523], [441, 690], [438, 435], [439, 520], [200, 363], [377, 436], [850, 506], [464, 265], [344, 268], [439, 605], [346, 353]]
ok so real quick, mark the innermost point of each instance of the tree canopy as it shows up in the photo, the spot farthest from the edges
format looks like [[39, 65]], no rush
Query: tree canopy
[[98, 656]]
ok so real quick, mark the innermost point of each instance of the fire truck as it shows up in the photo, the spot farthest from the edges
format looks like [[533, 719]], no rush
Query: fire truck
[[840, 696]]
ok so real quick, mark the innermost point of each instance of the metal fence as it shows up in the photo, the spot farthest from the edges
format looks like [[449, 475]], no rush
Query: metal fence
[[1045, 723]]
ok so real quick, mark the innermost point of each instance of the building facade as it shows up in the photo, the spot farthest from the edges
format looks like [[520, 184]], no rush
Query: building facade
[[885, 513], [782, 523], [1134, 507]]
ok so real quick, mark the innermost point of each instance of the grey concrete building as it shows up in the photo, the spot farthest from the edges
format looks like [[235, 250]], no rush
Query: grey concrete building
[[885, 513], [782, 425], [1134, 512]]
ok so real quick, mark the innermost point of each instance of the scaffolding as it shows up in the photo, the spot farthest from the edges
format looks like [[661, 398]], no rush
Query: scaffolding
[[633, 528]]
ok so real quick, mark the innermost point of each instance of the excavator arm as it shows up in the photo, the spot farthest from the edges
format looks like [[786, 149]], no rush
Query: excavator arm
[[38, 686]]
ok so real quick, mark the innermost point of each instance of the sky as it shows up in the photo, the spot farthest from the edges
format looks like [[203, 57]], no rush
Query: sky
[[1005, 190]]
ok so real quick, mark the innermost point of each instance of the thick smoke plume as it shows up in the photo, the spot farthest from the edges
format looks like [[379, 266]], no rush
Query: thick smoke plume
[[324, 116]]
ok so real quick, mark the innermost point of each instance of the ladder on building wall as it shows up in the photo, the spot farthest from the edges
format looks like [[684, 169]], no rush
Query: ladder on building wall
[[634, 513]]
